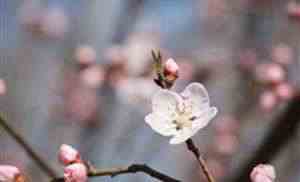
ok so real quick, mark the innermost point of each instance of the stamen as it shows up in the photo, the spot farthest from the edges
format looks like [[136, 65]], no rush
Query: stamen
[[193, 118], [178, 126]]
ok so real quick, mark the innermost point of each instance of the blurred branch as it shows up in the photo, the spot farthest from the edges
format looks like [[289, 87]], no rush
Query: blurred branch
[[134, 168], [284, 129], [28, 149]]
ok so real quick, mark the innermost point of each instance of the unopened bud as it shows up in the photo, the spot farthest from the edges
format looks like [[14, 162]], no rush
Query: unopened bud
[[75, 173], [268, 101], [68, 154], [270, 73], [263, 173], [171, 70], [284, 91], [9, 173], [293, 10]]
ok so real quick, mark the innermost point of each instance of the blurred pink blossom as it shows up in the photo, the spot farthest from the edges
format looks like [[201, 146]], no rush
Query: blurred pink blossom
[[226, 144], [67, 154], [75, 173], [284, 91], [270, 73], [263, 173], [226, 124], [3, 87], [85, 55], [293, 9], [268, 101], [9, 173], [92, 76]]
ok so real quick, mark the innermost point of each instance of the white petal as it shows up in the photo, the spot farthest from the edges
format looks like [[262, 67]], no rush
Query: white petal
[[166, 102], [161, 124], [204, 118], [196, 96], [182, 135]]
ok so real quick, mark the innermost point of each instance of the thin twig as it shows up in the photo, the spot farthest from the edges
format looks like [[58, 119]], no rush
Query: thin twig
[[28, 149], [192, 147], [134, 168]]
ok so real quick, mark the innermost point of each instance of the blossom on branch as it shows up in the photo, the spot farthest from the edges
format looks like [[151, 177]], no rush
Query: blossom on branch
[[263, 173], [180, 115], [171, 70], [9, 173], [75, 173], [67, 154]]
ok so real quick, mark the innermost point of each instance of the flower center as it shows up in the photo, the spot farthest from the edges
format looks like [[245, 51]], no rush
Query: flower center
[[184, 120]]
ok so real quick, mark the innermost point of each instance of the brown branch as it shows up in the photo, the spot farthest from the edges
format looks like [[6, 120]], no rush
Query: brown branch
[[28, 149], [284, 129], [192, 147], [134, 168]]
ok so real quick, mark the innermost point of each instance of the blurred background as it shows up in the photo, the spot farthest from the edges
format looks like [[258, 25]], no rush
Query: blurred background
[[80, 72]]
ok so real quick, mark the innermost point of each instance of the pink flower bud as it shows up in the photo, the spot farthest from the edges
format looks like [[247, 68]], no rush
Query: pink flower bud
[[75, 173], [293, 10], [284, 91], [270, 73], [268, 101], [171, 69], [263, 173], [68, 154], [9, 173]]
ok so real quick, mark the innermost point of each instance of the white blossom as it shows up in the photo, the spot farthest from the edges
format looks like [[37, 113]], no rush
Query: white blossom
[[180, 116]]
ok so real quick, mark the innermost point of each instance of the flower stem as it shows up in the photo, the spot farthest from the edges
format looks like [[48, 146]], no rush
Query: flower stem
[[192, 147], [28, 149]]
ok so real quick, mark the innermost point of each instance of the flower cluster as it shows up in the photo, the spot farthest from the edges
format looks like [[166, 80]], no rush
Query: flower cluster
[[271, 76], [74, 168]]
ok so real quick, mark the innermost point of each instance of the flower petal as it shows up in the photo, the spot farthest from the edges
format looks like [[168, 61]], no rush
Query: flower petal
[[187, 132], [166, 102], [161, 124], [204, 118], [182, 135], [196, 96]]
